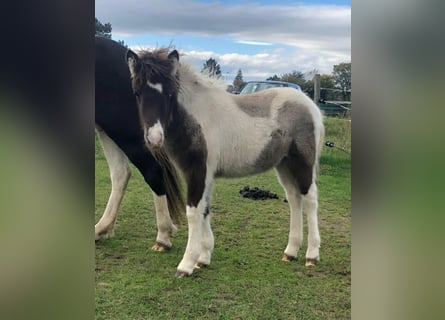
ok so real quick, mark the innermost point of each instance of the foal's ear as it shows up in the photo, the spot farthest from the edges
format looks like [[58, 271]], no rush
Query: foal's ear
[[133, 62], [173, 55], [174, 58]]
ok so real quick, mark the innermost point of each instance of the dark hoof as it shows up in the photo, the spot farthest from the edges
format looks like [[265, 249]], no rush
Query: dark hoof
[[182, 274], [288, 258], [160, 247], [104, 234], [311, 262], [200, 265]]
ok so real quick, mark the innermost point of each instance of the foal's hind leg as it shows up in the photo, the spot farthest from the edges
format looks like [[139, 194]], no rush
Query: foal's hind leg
[[310, 204], [294, 198], [120, 174]]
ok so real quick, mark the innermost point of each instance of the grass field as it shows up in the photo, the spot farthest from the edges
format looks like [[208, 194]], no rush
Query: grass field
[[246, 279]]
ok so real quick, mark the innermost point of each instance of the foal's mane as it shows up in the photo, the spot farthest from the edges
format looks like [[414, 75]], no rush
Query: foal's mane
[[190, 78], [156, 62]]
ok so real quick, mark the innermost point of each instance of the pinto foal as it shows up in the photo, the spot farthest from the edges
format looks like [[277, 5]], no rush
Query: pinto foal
[[210, 133]]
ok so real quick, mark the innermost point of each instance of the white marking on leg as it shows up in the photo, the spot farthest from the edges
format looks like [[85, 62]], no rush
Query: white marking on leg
[[296, 224], [156, 86], [294, 199], [207, 241], [195, 219], [163, 221], [200, 232], [311, 206], [120, 174], [155, 135]]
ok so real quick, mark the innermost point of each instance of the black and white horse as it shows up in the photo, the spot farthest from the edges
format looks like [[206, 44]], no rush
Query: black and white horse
[[119, 130], [210, 133]]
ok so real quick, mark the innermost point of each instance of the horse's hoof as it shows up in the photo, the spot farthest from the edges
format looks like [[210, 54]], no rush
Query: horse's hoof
[[311, 262], [200, 265], [182, 274], [102, 235], [288, 258], [160, 247]]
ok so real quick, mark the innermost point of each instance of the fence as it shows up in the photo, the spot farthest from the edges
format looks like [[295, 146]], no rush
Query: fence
[[331, 107]]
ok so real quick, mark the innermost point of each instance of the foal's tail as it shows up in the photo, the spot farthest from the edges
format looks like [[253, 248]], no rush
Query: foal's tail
[[173, 187]]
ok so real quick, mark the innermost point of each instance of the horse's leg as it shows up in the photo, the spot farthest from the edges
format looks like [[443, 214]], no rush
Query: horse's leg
[[153, 176], [207, 241], [197, 221], [164, 223], [310, 203], [120, 174], [294, 198]]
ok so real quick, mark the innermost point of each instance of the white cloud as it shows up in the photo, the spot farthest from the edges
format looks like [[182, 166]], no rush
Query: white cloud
[[254, 43], [261, 65], [307, 36]]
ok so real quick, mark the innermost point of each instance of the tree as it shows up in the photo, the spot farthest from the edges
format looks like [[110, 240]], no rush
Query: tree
[[212, 68], [103, 30], [294, 77], [337, 86], [298, 77], [274, 78], [328, 84], [327, 81], [342, 79], [238, 82]]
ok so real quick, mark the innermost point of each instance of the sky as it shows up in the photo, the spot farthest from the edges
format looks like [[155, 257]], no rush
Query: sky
[[260, 37]]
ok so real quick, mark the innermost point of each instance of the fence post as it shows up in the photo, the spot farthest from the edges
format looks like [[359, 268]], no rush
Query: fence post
[[316, 80]]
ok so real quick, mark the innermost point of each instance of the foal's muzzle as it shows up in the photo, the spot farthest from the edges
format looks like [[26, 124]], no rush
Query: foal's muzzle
[[154, 136]]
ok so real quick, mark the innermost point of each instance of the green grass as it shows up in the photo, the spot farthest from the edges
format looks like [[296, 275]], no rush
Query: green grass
[[246, 279]]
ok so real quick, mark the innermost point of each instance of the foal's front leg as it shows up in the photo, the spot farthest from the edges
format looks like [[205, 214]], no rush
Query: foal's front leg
[[200, 237]]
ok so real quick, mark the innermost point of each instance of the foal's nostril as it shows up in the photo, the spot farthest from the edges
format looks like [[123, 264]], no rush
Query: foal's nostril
[[155, 140], [147, 140]]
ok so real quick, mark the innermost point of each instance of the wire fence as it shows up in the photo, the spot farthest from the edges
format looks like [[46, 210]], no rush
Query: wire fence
[[332, 101]]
